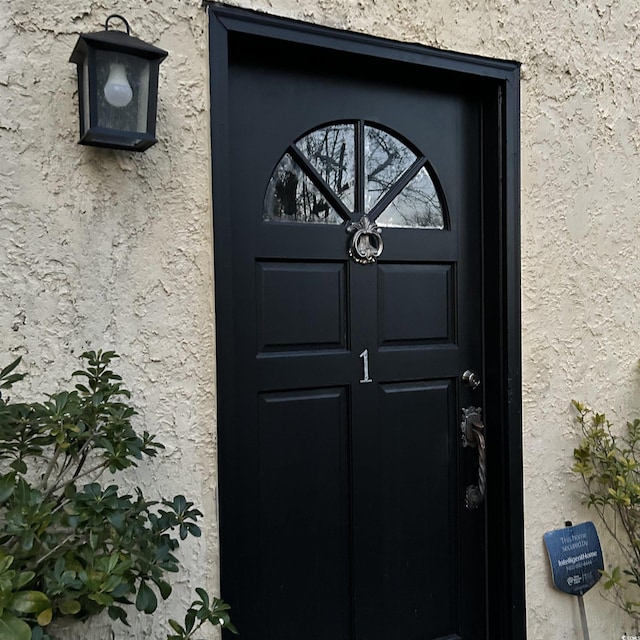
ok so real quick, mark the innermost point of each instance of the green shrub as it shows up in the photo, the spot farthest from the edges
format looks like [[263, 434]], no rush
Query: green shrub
[[71, 543], [609, 465]]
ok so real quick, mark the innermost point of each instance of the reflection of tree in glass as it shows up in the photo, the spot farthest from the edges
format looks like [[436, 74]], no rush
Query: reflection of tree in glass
[[417, 205], [331, 152], [386, 159], [292, 197]]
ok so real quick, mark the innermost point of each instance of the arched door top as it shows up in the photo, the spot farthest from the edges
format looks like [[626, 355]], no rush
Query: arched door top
[[340, 171]]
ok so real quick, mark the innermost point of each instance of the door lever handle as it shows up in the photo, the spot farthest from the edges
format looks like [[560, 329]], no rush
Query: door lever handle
[[473, 429]]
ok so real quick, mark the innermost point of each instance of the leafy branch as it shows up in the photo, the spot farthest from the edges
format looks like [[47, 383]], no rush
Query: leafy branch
[[610, 470], [199, 613]]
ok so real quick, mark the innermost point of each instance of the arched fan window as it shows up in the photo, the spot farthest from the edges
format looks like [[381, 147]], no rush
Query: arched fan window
[[338, 172]]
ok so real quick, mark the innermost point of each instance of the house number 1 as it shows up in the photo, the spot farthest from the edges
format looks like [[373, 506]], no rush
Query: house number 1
[[365, 363]]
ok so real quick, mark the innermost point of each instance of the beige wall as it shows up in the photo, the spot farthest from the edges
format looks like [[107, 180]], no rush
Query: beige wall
[[108, 249]]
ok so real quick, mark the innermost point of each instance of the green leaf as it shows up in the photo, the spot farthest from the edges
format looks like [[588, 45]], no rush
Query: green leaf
[[9, 368], [93, 539], [7, 485], [146, 599], [45, 617], [164, 587], [5, 563], [179, 503], [204, 596], [190, 620], [30, 602], [117, 520], [229, 626], [19, 466], [176, 627], [26, 541], [112, 563], [37, 633], [69, 607], [12, 628], [121, 590], [118, 613], [103, 599], [22, 579]]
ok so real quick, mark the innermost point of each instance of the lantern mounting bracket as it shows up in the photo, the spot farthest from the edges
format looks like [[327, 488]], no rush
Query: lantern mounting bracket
[[119, 17]]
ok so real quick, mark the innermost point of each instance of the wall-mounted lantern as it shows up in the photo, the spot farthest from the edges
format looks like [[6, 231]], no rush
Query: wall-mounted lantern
[[117, 88]]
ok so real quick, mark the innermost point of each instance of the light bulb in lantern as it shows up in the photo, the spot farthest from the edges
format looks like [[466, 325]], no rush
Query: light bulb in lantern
[[118, 91]]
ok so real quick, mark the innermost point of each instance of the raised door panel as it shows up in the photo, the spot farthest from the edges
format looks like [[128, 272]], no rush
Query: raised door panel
[[303, 517], [416, 304], [416, 518], [301, 306]]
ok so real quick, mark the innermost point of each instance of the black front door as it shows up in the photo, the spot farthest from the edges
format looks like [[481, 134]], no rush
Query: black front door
[[353, 261]]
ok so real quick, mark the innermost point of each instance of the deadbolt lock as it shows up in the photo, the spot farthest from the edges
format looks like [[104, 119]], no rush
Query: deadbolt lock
[[471, 379]]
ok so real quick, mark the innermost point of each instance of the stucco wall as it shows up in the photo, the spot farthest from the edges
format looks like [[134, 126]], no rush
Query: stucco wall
[[105, 248], [102, 248]]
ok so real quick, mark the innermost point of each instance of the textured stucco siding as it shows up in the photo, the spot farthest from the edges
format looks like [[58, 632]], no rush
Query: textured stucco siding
[[103, 248]]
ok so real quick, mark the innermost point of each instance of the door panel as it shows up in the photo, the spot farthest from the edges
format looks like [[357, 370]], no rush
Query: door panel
[[342, 487], [419, 504], [303, 478], [301, 306], [417, 304]]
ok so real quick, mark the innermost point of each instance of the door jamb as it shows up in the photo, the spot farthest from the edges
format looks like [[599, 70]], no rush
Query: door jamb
[[501, 238]]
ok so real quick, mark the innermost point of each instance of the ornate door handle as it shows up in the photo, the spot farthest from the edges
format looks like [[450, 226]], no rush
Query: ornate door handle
[[366, 242], [473, 436]]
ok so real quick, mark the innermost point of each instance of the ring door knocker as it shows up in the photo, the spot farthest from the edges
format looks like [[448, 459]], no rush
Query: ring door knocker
[[366, 242], [473, 436]]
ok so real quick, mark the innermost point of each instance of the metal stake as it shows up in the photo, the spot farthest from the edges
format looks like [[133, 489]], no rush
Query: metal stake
[[583, 618], [583, 613]]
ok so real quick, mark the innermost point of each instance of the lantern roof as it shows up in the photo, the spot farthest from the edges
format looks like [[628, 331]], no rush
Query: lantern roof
[[114, 40]]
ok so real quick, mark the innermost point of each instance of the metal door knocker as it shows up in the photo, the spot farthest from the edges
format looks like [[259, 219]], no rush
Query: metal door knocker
[[366, 242], [473, 436]]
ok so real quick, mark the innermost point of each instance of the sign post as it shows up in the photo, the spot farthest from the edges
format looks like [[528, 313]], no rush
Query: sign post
[[576, 561]]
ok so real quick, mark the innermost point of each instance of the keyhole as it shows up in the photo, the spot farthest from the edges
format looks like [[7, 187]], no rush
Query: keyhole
[[365, 365]]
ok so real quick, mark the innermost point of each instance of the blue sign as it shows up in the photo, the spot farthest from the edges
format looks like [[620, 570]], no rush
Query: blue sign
[[576, 557]]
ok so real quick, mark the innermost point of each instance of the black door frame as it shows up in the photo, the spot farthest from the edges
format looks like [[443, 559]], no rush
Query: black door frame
[[501, 249]]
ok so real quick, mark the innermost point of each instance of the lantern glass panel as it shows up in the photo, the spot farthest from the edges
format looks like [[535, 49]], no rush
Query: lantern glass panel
[[122, 91]]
